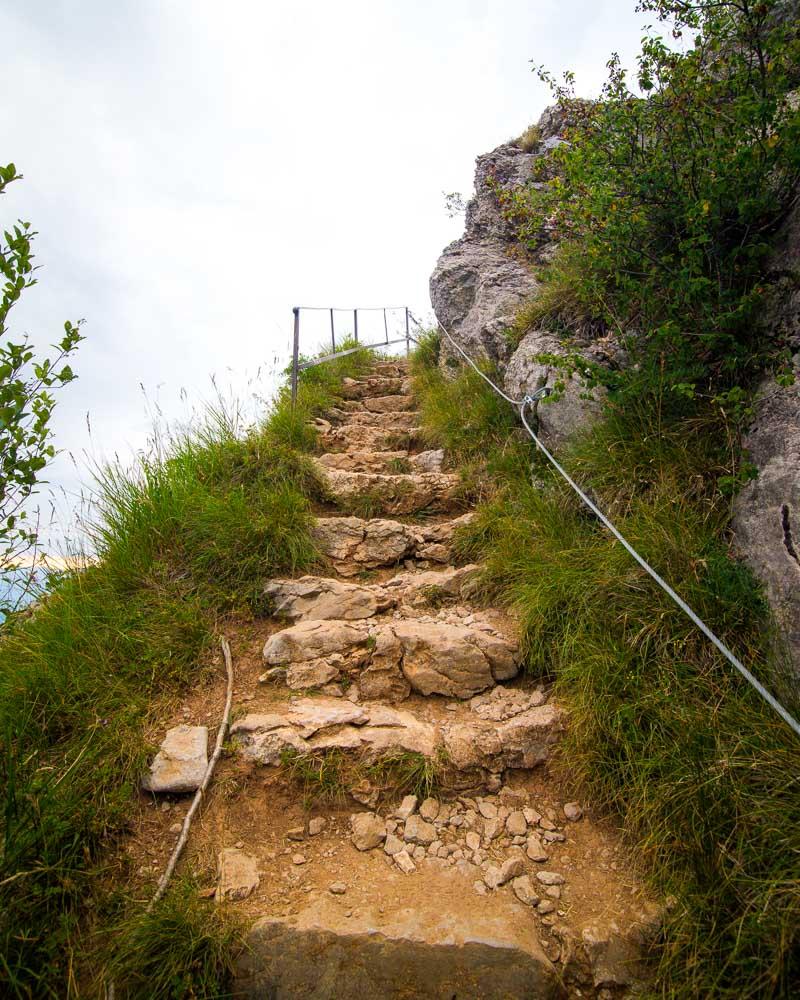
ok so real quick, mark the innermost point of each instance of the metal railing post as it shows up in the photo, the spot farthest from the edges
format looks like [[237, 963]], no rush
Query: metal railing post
[[385, 326], [295, 353], [333, 334], [355, 324], [408, 336]]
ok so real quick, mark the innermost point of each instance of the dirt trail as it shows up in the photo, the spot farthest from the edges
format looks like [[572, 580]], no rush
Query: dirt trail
[[498, 883]]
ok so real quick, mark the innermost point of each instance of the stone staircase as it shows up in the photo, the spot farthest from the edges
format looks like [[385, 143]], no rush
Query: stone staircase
[[496, 885]]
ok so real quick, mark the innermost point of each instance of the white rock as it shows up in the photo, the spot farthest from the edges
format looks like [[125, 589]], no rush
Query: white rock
[[511, 868], [429, 809], [238, 874], [368, 831], [550, 878], [404, 862], [524, 891], [516, 824], [473, 841], [492, 876], [534, 850], [418, 831], [406, 807], [573, 811], [487, 809], [337, 888], [181, 763], [393, 845], [316, 825]]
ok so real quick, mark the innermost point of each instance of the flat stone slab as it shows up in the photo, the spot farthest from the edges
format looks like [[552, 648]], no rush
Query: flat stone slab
[[425, 951], [402, 493], [180, 765], [319, 597], [238, 874]]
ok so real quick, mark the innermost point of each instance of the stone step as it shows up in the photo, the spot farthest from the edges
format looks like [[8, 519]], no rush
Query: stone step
[[404, 493], [388, 659], [354, 544], [422, 949], [361, 437], [374, 386], [318, 598], [468, 749], [392, 462], [400, 420]]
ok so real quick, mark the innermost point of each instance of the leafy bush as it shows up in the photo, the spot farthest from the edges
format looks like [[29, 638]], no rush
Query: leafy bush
[[666, 195]]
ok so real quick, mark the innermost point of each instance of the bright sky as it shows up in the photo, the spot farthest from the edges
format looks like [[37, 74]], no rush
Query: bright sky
[[195, 169]]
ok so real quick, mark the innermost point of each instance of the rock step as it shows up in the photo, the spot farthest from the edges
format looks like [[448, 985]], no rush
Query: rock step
[[392, 462], [469, 748], [402, 493], [358, 388], [360, 437], [421, 951], [318, 598], [354, 544], [391, 420], [389, 659]]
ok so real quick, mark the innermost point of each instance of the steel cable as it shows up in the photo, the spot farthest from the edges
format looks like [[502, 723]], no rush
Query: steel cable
[[521, 405]]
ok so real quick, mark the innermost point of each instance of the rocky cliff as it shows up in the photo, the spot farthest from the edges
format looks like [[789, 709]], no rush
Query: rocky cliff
[[481, 281]]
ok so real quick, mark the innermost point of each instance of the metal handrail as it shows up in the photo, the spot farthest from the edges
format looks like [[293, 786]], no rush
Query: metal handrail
[[298, 366]]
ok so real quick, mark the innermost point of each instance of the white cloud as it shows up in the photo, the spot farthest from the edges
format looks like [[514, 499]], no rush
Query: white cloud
[[197, 169]]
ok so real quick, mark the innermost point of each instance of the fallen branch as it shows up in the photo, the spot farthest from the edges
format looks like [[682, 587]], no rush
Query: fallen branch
[[165, 878]]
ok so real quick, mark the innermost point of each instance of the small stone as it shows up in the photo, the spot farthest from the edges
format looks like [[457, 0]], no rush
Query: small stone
[[487, 809], [176, 828], [429, 809], [534, 850], [550, 878], [337, 888], [546, 824], [546, 906], [491, 829], [296, 833], [406, 807], [531, 816], [553, 891], [239, 844], [238, 874], [316, 825], [418, 853], [433, 849], [492, 876], [418, 831], [553, 837], [512, 868], [368, 831], [524, 891], [479, 887], [573, 811], [393, 845], [181, 762], [404, 862], [516, 824], [298, 859], [473, 841]]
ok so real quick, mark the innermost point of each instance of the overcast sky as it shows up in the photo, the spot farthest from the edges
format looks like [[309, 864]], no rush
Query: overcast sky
[[195, 169]]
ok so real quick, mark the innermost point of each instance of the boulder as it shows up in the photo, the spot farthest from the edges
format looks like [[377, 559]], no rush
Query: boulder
[[181, 763], [521, 742]]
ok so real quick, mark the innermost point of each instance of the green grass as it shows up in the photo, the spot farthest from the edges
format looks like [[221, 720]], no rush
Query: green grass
[[188, 534], [663, 732], [329, 776]]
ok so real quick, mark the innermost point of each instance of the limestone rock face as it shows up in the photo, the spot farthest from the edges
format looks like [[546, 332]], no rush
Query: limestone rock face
[[766, 514], [180, 765]]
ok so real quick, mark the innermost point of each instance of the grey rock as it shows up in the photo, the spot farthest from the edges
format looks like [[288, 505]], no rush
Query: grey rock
[[524, 890], [418, 831], [511, 868], [337, 888], [403, 861], [550, 878], [429, 809], [534, 849], [516, 824], [573, 811], [394, 845], [407, 807]]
